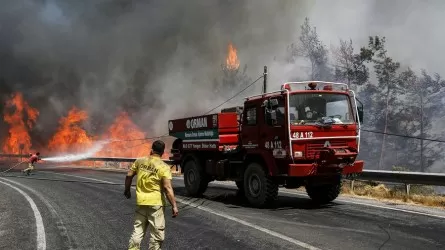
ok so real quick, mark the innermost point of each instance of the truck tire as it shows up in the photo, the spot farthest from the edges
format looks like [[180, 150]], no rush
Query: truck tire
[[195, 180], [259, 188], [324, 194]]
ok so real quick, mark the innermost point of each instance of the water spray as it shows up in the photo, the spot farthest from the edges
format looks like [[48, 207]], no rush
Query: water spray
[[97, 147]]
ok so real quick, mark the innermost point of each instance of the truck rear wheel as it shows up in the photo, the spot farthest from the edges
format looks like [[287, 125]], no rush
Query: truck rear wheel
[[195, 180], [259, 188], [324, 193]]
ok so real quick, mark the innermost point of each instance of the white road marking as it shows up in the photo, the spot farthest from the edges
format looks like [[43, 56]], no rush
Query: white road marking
[[376, 206], [226, 216], [245, 223], [41, 238], [60, 225], [343, 200], [394, 209]]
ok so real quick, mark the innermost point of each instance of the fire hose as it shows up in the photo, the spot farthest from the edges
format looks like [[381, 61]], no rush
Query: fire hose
[[12, 167]]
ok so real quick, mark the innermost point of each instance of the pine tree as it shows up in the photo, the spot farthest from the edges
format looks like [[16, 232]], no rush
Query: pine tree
[[350, 67], [312, 49], [386, 72]]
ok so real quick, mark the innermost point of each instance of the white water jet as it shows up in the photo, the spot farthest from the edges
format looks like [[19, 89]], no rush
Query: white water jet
[[97, 146]]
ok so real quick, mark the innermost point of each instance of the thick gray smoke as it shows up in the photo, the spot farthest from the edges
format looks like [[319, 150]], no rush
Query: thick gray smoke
[[155, 59], [413, 28], [159, 59]]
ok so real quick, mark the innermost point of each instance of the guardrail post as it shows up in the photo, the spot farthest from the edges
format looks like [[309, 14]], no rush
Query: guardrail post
[[352, 185], [407, 189]]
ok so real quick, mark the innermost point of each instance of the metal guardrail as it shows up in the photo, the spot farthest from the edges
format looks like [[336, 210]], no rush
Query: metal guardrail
[[420, 178], [407, 178]]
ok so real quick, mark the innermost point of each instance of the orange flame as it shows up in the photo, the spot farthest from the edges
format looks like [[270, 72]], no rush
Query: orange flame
[[232, 62], [126, 139], [18, 131], [70, 136]]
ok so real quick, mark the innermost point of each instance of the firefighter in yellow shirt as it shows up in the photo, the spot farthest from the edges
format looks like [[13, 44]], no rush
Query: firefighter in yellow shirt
[[153, 181]]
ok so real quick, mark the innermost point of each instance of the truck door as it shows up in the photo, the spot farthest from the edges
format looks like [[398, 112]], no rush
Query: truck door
[[273, 132], [250, 128]]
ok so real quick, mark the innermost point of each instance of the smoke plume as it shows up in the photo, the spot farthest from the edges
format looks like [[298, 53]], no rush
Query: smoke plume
[[158, 60]]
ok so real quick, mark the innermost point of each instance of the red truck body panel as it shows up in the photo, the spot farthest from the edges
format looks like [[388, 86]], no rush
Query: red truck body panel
[[208, 132]]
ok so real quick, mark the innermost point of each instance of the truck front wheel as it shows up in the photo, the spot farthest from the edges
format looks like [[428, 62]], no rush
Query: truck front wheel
[[195, 180], [259, 188], [324, 194]]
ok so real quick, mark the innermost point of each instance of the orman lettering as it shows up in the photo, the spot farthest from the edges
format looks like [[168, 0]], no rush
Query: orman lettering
[[149, 168], [197, 123]]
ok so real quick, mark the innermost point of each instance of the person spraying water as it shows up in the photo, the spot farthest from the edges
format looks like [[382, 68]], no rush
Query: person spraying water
[[32, 159]]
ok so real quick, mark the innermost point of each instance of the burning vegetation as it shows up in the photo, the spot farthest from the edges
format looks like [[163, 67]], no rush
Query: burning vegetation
[[125, 138], [232, 62], [70, 136], [20, 117]]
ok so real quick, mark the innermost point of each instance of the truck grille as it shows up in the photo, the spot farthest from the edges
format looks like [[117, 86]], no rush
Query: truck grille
[[313, 148]]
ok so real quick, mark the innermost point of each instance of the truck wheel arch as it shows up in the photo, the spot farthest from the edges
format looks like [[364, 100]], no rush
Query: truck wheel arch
[[194, 186], [257, 158], [269, 166], [186, 158], [177, 144]]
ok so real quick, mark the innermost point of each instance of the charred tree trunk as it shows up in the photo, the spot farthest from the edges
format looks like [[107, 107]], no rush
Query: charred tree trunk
[[382, 151], [421, 133]]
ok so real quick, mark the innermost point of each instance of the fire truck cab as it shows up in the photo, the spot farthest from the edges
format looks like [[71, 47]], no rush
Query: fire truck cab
[[305, 134]]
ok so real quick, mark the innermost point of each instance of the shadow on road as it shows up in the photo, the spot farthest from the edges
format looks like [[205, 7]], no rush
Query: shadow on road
[[235, 199]]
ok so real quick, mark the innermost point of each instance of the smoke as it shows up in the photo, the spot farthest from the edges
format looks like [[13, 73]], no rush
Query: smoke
[[155, 59], [413, 28], [97, 147], [158, 60]]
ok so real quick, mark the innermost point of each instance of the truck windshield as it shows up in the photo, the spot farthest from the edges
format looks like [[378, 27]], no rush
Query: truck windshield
[[306, 108]]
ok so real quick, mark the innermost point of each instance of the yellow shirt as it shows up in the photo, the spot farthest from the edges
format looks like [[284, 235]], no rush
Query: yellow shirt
[[150, 171]]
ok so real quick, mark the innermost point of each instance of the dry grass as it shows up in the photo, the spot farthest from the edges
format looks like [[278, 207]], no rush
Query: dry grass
[[421, 195]]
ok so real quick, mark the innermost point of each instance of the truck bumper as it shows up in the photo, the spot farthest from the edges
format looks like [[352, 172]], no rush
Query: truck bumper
[[301, 170]]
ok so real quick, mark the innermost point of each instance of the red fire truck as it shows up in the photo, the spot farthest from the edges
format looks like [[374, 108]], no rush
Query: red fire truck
[[306, 134]]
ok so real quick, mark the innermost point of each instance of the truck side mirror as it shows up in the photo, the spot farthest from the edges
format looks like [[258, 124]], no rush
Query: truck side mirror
[[359, 110], [360, 114], [271, 117], [265, 104], [273, 102]]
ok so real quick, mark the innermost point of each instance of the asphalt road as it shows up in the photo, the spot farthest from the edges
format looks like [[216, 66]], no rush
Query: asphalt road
[[72, 208]]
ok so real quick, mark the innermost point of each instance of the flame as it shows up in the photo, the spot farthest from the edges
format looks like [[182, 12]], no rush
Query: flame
[[232, 62], [18, 131], [70, 136], [126, 139]]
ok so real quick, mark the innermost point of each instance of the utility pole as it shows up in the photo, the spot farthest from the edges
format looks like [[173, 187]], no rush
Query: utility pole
[[265, 80]]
